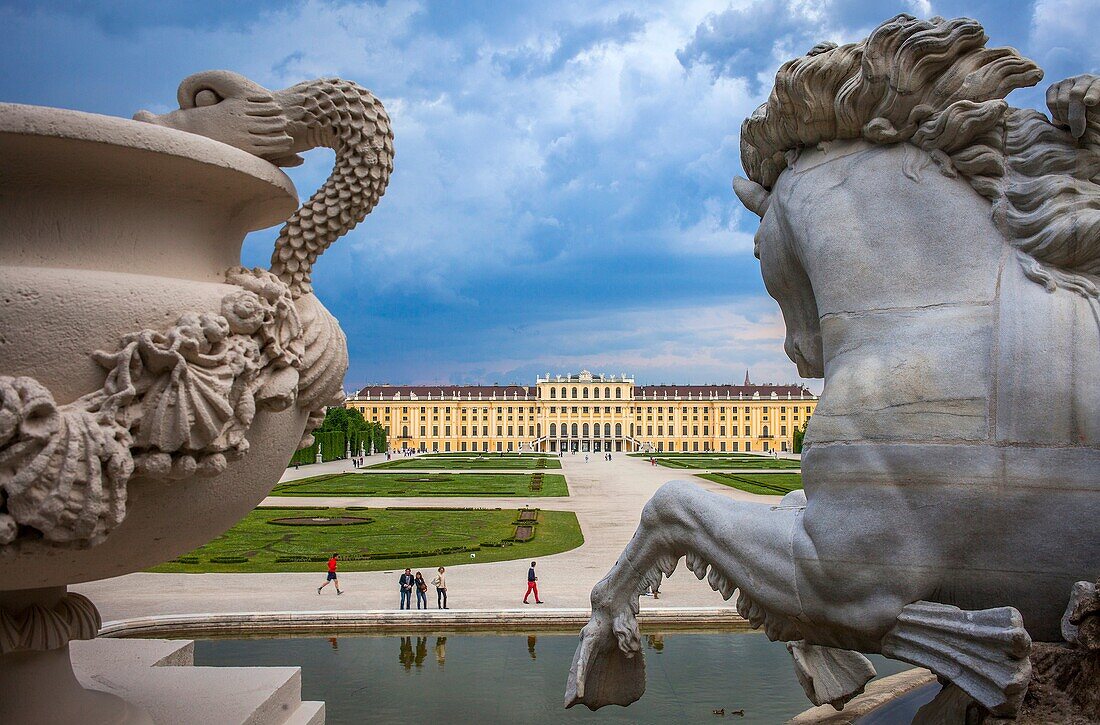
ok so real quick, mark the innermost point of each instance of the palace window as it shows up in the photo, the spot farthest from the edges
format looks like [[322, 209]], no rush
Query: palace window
[[553, 392], [447, 431], [764, 434], [500, 430], [607, 430], [584, 392], [574, 392], [706, 430], [484, 430], [595, 392], [435, 430], [649, 430], [574, 409], [585, 429], [574, 430], [553, 429], [685, 430], [463, 431], [618, 429], [510, 430], [404, 431], [422, 431], [618, 392]]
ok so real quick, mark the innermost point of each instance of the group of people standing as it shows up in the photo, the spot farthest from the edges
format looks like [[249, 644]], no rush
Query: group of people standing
[[409, 583]]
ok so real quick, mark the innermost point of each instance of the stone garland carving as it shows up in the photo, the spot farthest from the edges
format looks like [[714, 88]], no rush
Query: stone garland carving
[[174, 404], [179, 402], [44, 628]]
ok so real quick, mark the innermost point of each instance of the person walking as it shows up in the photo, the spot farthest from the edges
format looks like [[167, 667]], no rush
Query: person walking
[[421, 591], [406, 585], [440, 583], [331, 575], [532, 585]]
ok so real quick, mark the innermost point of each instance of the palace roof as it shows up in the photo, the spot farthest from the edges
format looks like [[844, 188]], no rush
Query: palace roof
[[527, 392]]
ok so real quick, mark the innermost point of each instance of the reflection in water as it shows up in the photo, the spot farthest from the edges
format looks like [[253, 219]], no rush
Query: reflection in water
[[408, 657], [421, 650], [440, 650], [335, 644], [405, 653], [491, 678]]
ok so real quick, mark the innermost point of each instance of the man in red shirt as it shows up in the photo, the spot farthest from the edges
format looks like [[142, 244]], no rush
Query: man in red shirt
[[331, 575]]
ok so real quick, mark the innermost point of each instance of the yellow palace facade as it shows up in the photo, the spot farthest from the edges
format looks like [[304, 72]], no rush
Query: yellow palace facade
[[587, 413]]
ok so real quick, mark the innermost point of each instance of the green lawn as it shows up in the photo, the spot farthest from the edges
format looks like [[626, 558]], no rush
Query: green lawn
[[767, 484], [427, 484], [732, 462], [390, 539], [473, 461]]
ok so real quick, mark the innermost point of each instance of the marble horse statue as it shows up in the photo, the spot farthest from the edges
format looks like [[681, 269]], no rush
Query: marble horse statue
[[935, 253]]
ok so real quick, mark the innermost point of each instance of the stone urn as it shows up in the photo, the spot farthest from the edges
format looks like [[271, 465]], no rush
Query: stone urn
[[151, 390]]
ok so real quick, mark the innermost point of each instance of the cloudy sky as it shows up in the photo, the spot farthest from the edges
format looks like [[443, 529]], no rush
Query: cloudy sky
[[561, 196]]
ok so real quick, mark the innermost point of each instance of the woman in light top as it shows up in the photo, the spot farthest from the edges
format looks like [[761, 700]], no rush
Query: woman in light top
[[440, 583]]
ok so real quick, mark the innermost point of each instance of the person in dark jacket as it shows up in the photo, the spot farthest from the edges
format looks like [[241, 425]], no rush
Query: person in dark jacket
[[406, 583], [532, 585]]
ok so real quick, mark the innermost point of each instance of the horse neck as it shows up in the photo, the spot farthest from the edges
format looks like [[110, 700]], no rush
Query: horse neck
[[904, 265]]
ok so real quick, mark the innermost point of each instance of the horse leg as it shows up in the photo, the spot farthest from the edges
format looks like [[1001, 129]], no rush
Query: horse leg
[[764, 553], [751, 545]]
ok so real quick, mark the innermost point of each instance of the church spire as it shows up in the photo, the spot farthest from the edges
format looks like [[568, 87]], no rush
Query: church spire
[[747, 383]]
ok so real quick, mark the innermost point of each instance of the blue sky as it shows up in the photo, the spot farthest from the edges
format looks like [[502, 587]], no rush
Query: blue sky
[[561, 196]]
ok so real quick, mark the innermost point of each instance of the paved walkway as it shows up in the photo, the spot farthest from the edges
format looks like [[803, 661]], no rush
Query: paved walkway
[[607, 496]]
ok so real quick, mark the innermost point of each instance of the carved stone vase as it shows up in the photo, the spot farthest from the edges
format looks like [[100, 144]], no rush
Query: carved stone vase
[[147, 384]]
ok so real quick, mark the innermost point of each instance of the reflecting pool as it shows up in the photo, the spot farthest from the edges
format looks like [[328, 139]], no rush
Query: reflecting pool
[[513, 678]]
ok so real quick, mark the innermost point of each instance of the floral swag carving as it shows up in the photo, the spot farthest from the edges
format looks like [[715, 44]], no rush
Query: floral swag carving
[[174, 404]]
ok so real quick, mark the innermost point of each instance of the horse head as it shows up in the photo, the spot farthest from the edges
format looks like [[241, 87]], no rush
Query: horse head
[[948, 173], [786, 280]]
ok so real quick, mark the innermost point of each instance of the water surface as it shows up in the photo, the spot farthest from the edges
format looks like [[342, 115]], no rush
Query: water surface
[[516, 678]]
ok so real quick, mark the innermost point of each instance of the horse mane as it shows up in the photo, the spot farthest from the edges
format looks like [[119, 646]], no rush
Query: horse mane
[[934, 84]]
